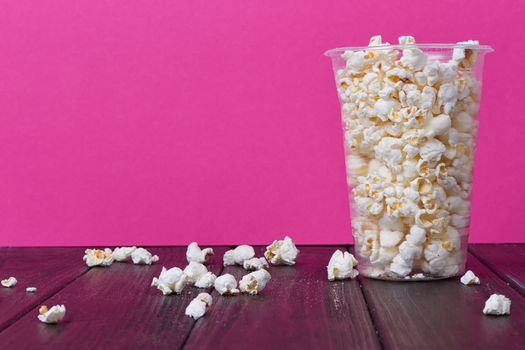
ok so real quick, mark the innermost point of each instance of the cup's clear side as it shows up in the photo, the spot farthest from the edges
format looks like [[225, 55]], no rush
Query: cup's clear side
[[385, 224]]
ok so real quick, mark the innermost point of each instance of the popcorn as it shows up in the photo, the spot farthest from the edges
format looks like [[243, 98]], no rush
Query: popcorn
[[31, 289], [400, 266], [389, 239], [123, 253], [432, 150], [254, 282], [469, 278], [388, 150], [438, 125], [341, 266], [409, 252], [198, 275], [141, 256], [196, 254], [9, 283], [255, 264], [413, 58], [497, 304], [410, 128], [226, 285], [97, 257], [238, 255], [383, 108], [194, 271], [448, 96], [53, 315], [463, 122], [465, 57], [282, 252], [417, 236], [170, 281], [198, 306]]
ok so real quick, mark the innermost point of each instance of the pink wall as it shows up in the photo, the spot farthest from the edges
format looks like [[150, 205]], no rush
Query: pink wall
[[161, 122]]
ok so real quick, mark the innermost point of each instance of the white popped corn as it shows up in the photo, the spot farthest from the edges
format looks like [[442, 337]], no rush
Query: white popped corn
[[198, 275], [141, 256], [255, 264], [498, 305], [97, 257], [238, 255], [254, 282], [123, 253], [198, 306], [469, 278], [31, 289], [282, 252], [196, 254], [53, 315], [341, 266], [226, 285], [170, 281], [9, 282]]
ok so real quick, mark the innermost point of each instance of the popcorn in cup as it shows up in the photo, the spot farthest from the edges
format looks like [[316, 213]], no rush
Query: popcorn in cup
[[409, 115]]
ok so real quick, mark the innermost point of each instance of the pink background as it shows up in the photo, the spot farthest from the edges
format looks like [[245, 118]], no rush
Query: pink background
[[162, 122]]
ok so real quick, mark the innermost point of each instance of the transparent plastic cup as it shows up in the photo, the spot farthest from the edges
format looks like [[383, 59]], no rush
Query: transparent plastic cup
[[409, 116]]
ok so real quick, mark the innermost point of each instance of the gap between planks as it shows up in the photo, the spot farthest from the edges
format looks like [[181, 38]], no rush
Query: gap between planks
[[368, 307], [183, 345], [498, 272], [48, 295]]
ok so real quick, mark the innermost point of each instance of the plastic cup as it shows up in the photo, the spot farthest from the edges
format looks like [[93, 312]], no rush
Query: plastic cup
[[409, 115]]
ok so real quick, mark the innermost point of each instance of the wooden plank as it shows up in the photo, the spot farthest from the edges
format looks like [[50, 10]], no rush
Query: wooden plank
[[47, 269], [445, 314], [113, 308], [299, 308], [506, 260]]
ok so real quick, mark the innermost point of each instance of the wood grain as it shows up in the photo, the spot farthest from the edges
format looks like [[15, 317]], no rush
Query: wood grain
[[47, 269], [113, 308], [298, 309], [506, 260], [445, 314]]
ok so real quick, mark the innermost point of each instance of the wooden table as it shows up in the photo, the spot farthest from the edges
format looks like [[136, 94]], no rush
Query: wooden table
[[115, 307]]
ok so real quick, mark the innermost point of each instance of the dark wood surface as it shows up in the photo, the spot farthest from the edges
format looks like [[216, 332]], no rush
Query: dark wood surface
[[445, 314], [47, 269], [299, 308], [113, 307], [116, 308], [508, 261]]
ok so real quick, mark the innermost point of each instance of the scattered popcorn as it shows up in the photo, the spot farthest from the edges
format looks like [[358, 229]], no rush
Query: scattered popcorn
[[141, 256], [170, 281], [341, 266], [123, 253], [410, 127], [196, 254], [226, 285], [9, 283], [198, 306], [238, 255], [98, 257], [282, 252], [469, 278], [198, 275], [53, 315], [31, 289], [255, 264], [497, 304], [254, 282], [206, 281]]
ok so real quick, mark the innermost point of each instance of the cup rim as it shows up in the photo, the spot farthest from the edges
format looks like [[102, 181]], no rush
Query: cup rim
[[340, 50]]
